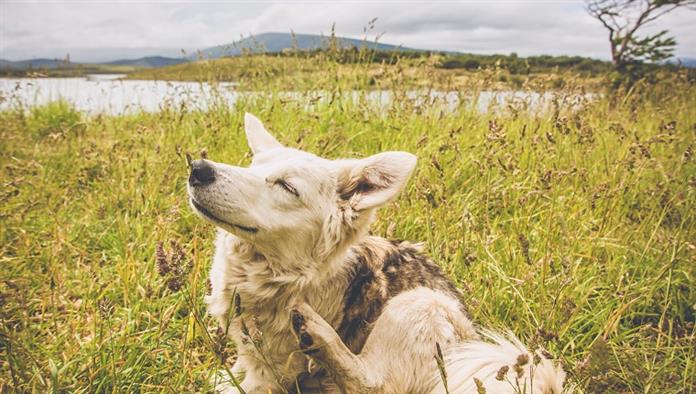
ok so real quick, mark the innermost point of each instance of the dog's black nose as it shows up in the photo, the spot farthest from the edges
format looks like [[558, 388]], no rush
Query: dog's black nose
[[202, 173]]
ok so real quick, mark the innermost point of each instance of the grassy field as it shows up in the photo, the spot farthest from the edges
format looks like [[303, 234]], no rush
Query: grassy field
[[325, 68], [574, 227]]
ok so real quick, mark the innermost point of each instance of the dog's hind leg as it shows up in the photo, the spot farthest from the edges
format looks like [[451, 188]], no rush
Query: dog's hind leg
[[399, 353]]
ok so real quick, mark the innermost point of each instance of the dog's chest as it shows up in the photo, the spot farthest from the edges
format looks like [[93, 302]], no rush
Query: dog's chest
[[264, 329], [266, 326], [271, 317]]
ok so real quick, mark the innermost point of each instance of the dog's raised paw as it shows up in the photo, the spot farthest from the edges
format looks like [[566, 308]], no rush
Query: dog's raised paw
[[298, 320], [299, 326], [306, 343]]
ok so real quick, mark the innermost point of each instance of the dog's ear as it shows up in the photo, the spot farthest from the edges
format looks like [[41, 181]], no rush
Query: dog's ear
[[258, 138], [374, 181]]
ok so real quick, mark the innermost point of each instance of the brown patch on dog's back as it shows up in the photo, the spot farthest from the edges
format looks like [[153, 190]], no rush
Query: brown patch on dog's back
[[382, 270]]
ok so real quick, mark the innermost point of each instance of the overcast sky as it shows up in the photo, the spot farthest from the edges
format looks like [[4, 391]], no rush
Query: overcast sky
[[104, 30]]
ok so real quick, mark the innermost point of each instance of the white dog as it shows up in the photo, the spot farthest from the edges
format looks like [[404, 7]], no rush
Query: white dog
[[308, 296]]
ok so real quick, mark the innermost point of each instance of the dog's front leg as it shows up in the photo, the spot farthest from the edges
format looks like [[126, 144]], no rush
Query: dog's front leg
[[320, 341]]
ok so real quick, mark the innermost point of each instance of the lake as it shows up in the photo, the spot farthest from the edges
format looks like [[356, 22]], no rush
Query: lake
[[108, 94]]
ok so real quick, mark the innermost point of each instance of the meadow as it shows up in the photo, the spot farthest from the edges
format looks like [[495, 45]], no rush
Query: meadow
[[379, 70], [573, 226]]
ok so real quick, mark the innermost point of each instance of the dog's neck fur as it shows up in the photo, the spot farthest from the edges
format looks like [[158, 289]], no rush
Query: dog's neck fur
[[262, 277], [275, 270]]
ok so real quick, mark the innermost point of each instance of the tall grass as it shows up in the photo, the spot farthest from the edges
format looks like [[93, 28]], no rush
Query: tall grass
[[574, 227]]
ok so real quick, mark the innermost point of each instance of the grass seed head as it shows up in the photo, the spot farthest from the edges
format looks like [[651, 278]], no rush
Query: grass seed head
[[537, 359], [161, 258], [220, 347], [524, 245], [237, 305], [502, 372], [688, 153], [106, 307], [522, 359], [479, 386], [173, 265]]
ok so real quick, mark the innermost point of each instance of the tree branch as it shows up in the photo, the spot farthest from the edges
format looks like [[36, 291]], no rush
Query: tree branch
[[617, 16]]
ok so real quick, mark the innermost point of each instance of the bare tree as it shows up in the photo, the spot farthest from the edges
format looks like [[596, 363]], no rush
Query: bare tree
[[624, 19]]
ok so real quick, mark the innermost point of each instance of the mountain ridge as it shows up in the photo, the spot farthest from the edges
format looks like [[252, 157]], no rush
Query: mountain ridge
[[275, 42], [271, 42]]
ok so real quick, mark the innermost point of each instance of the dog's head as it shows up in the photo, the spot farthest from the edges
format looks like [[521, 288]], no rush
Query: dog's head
[[293, 204]]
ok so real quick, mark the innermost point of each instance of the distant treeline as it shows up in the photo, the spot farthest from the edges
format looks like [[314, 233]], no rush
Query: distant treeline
[[512, 63], [526, 65]]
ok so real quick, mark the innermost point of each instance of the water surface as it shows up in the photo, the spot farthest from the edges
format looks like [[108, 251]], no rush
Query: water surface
[[108, 94]]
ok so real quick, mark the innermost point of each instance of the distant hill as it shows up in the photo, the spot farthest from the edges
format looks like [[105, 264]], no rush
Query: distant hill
[[277, 42], [148, 62], [50, 64], [5, 64], [33, 63], [262, 43]]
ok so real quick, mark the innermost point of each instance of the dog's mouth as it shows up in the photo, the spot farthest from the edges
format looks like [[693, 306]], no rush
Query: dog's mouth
[[205, 212]]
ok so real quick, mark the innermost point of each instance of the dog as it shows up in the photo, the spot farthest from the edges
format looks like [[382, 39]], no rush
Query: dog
[[308, 296]]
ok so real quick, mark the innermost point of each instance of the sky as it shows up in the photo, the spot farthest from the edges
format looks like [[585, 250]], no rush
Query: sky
[[106, 30]]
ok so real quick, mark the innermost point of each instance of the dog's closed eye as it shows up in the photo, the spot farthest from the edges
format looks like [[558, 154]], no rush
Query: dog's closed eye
[[287, 187]]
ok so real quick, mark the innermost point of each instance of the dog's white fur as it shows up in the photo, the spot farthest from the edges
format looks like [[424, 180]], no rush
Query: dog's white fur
[[285, 242]]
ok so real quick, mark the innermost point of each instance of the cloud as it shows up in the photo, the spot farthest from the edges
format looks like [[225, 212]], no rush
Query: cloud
[[51, 29]]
